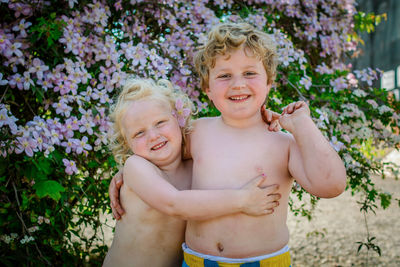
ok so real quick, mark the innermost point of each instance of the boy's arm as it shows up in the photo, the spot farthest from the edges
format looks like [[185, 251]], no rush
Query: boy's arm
[[145, 180], [312, 161]]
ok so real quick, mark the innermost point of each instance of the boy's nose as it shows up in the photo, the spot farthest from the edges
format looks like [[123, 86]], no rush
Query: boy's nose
[[238, 84]]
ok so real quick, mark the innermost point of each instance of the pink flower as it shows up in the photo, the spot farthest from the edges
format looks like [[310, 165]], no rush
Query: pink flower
[[181, 113], [70, 167]]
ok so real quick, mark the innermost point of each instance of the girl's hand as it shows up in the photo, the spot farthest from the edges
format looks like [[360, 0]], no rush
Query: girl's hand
[[271, 118], [114, 193], [259, 200]]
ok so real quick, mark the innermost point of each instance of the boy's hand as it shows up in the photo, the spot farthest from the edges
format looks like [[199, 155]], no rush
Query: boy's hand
[[113, 191], [271, 119], [260, 200], [293, 115]]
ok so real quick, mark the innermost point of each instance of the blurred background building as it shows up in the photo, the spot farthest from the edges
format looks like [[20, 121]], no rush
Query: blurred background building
[[382, 47]]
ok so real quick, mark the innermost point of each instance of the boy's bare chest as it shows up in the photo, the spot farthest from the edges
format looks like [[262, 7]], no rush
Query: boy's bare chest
[[230, 161]]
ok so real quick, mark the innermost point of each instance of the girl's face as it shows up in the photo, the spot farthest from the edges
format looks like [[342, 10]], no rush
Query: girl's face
[[152, 132]]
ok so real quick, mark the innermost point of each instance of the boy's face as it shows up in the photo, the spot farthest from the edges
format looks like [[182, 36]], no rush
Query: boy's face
[[152, 132], [238, 85]]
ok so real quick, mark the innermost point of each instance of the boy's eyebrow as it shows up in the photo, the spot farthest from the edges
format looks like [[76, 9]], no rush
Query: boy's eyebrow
[[228, 69]]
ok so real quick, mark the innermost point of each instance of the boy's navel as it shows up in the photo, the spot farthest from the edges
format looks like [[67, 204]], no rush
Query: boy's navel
[[220, 247]]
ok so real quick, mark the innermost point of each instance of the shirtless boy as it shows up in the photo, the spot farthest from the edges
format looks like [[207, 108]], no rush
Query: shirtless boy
[[237, 66], [149, 122]]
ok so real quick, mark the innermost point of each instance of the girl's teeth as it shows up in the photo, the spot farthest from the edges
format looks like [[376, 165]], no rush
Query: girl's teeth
[[159, 145]]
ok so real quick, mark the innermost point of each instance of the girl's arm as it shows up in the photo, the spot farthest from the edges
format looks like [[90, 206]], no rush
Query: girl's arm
[[146, 181]]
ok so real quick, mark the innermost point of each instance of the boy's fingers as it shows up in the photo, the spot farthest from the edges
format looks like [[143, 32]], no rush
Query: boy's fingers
[[299, 104]]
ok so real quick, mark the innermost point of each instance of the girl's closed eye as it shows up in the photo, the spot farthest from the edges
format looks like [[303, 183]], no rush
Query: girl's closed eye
[[161, 122], [224, 76], [138, 134]]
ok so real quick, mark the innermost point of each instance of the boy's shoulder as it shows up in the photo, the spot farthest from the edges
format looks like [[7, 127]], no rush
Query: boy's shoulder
[[204, 120], [280, 137]]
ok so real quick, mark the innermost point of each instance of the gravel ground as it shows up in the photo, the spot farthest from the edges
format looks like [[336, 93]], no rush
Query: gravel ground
[[329, 239]]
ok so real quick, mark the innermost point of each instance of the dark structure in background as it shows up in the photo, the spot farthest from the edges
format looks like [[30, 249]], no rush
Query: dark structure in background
[[382, 47]]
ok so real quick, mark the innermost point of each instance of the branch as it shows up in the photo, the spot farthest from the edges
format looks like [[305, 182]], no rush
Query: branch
[[24, 225]]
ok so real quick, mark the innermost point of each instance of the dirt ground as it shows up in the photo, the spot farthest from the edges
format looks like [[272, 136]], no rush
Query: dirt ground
[[342, 225], [329, 239]]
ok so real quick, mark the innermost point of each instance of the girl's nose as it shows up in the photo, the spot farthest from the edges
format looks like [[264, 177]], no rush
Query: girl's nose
[[154, 134]]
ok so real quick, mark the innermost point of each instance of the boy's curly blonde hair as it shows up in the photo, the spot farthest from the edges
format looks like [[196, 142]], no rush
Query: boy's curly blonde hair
[[137, 89], [228, 37]]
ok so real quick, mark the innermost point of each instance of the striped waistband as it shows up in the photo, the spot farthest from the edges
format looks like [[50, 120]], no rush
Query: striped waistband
[[279, 258]]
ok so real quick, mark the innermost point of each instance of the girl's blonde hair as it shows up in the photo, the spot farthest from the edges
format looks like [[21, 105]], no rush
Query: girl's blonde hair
[[228, 37], [136, 89]]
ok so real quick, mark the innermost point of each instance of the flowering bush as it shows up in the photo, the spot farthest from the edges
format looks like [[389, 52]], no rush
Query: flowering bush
[[63, 62]]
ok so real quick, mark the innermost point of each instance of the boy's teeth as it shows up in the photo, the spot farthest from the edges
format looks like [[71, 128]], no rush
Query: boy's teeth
[[238, 97]]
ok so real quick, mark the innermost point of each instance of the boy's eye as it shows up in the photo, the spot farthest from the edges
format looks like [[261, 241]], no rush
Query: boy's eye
[[249, 73]]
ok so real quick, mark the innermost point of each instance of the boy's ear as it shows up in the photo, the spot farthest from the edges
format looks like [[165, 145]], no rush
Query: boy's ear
[[268, 88]]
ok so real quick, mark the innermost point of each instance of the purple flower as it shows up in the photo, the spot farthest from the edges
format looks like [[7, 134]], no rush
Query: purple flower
[[14, 50], [21, 27], [336, 144], [70, 145], [25, 144], [3, 82], [306, 82], [82, 145], [338, 84], [180, 112], [70, 167], [38, 68]]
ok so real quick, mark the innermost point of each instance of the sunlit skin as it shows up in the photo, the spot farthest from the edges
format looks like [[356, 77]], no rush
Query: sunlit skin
[[154, 134], [227, 148], [239, 90], [155, 193]]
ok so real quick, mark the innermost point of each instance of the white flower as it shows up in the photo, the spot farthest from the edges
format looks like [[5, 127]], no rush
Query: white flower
[[383, 109]]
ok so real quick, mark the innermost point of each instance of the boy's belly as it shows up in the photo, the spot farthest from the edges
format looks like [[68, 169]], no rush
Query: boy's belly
[[239, 235]]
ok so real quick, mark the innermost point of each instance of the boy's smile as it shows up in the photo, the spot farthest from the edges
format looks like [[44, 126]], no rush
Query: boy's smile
[[238, 86]]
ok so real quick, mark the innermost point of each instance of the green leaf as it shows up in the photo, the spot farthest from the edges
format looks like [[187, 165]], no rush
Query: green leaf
[[385, 199], [92, 164], [49, 188]]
